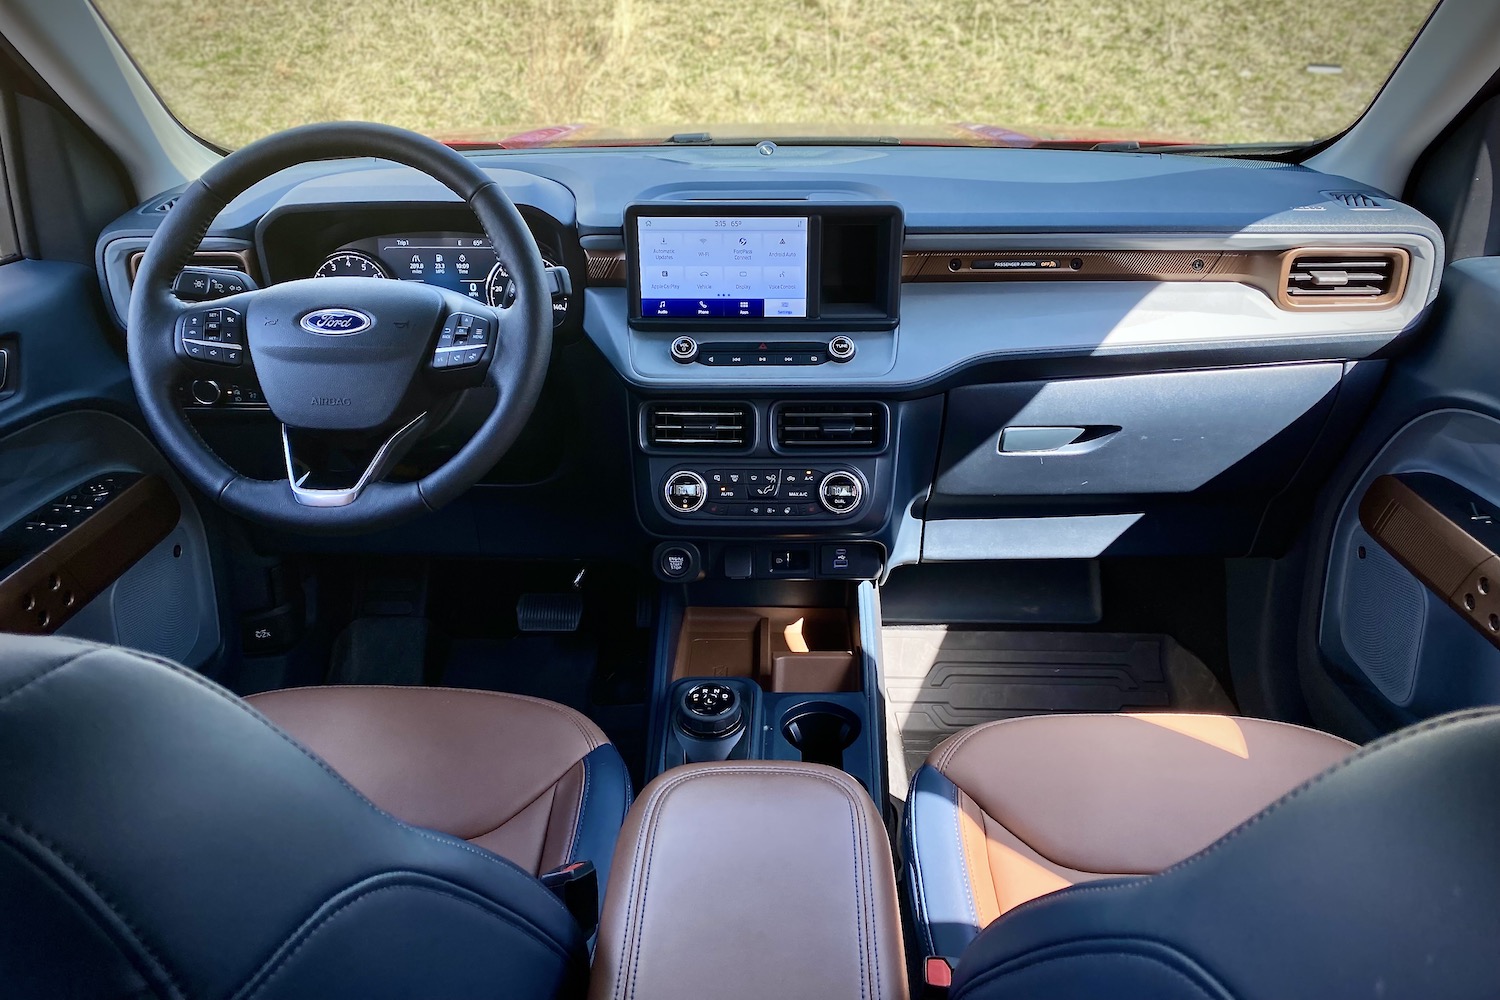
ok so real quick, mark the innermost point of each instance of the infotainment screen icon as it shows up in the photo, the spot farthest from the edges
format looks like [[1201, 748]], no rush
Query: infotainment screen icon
[[723, 267]]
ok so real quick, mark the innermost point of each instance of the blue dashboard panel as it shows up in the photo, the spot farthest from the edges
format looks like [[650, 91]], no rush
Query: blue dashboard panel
[[1027, 333]]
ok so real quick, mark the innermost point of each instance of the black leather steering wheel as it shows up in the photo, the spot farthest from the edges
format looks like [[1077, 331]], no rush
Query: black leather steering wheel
[[352, 366]]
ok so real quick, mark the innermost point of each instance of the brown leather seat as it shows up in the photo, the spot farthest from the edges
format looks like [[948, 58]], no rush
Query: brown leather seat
[[533, 781], [1008, 811]]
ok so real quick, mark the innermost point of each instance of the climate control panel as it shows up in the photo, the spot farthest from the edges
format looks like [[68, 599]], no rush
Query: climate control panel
[[758, 491]]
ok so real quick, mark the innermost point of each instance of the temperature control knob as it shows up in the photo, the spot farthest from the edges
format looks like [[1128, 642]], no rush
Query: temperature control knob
[[840, 492], [685, 491]]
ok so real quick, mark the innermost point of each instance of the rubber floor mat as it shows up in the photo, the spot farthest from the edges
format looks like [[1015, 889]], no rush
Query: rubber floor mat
[[942, 680]]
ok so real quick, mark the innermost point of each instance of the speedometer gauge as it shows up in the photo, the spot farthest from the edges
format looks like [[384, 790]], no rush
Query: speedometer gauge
[[500, 290], [351, 264]]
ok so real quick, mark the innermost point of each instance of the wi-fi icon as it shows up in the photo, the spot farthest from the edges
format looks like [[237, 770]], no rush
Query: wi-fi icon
[[703, 239]]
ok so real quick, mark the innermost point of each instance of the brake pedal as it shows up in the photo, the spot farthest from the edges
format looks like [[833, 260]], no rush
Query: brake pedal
[[549, 612]]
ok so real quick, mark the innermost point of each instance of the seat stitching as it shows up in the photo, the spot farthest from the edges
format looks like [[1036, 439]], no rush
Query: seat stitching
[[967, 882], [267, 973], [549, 787], [585, 727], [138, 938], [957, 743], [240, 705], [865, 896], [991, 975], [583, 808], [918, 886], [648, 828], [86, 650], [1392, 739]]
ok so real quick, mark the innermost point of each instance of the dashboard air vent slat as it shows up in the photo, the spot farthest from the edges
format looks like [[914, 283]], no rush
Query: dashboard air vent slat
[[1345, 276], [1357, 200], [698, 425], [830, 425]]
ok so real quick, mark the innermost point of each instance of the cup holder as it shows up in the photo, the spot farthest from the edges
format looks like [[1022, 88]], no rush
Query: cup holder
[[821, 731]]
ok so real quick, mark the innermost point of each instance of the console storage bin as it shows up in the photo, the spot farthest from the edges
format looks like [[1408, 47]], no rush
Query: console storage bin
[[751, 879], [793, 649]]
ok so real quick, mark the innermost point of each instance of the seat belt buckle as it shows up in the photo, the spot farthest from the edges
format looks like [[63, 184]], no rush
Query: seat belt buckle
[[577, 887], [937, 978]]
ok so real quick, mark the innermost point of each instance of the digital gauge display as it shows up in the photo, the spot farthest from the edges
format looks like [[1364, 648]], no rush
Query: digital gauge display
[[465, 264]]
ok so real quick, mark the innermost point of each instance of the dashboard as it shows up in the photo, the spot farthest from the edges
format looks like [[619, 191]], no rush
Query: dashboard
[[918, 354]]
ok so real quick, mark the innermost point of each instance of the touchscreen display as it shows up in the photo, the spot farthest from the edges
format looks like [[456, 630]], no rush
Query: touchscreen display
[[722, 267]]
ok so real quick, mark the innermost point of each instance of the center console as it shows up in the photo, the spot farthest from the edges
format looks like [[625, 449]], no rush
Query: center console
[[792, 679]]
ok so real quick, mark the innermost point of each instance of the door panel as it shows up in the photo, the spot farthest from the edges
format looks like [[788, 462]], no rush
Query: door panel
[[1402, 644], [66, 412]]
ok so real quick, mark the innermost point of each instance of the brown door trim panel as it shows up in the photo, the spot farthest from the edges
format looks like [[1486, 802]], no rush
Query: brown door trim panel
[[67, 552], [1448, 537]]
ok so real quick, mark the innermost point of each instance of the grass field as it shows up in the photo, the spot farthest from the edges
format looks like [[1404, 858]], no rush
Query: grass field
[[1194, 70]]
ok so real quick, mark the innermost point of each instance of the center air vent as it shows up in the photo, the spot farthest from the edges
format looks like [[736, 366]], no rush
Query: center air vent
[[699, 425], [1345, 278], [830, 425]]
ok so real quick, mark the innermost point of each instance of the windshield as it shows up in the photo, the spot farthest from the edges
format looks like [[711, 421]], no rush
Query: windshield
[[582, 72]]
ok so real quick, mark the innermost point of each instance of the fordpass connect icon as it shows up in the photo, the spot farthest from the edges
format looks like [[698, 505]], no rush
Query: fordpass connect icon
[[336, 322]]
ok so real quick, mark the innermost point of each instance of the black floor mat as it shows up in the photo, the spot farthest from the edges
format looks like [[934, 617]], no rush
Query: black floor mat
[[555, 667], [941, 680], [376, 650]]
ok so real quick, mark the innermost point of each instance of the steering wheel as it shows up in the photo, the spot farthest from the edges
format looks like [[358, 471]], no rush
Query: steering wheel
[[354, 368]]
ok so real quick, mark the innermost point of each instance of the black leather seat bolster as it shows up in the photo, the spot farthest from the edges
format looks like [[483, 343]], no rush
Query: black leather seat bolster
[[1378, 878], [221, 859]]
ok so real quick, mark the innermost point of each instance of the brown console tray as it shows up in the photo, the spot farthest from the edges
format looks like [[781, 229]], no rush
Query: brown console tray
[[809, 650]]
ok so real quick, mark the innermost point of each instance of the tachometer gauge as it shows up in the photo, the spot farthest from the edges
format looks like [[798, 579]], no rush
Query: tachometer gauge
[[351, 264]]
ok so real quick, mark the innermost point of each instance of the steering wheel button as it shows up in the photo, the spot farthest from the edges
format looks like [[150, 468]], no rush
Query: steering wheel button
[[471, 357], [193, 350]]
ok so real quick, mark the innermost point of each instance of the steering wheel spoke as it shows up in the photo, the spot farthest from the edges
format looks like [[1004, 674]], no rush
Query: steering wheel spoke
[[209, 337], [313, 486]]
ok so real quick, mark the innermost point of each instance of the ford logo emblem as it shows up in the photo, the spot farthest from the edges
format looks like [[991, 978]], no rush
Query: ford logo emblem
[[336, 322]]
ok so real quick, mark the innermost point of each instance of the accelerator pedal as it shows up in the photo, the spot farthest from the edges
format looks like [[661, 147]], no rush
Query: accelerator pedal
[[549, 612]]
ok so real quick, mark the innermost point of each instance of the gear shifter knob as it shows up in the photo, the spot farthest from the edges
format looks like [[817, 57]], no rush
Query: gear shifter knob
[[710, 711]]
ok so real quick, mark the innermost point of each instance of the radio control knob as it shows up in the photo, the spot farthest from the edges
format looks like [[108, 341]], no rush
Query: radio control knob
[[684, 350], [841, 348], [685, 492], [841, 492], [206, 391]]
